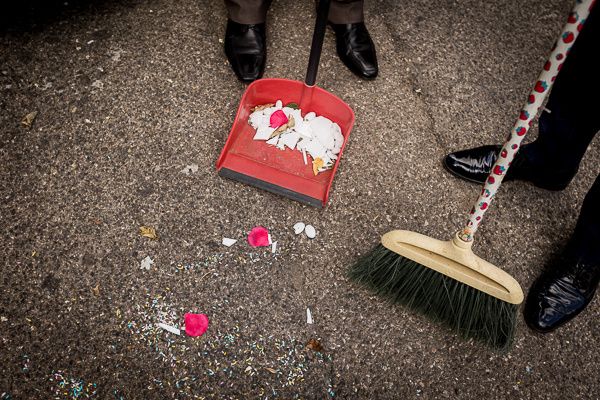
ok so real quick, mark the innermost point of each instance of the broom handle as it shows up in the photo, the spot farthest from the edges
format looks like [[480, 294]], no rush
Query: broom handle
[[534, 101], [317, 42]]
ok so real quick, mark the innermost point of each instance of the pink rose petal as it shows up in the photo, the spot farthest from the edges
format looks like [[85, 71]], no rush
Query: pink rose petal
[[258, 237], [277, 119], [195, 324]]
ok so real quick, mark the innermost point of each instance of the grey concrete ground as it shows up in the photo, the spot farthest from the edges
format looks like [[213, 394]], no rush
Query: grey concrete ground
[[130, 92]]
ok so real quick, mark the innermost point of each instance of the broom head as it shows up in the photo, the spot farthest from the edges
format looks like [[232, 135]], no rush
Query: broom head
[[445, 281]]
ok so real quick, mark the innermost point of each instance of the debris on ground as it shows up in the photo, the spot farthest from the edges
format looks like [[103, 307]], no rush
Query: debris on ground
[[149, 232], [259, 237], [273, 247], [146, 263], [96, 290], [195, 324], [299, 227], [309, 318], [169, 328], [71, 388], [98, 84], [228, 242], [314, 345], [308, 230], [222, 356], [190, 169], [27, 121]]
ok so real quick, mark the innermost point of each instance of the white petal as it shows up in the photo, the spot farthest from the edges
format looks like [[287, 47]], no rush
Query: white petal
[[299, 227], [310, 231]]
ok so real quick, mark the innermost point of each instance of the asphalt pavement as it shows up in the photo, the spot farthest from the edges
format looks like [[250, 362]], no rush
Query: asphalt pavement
[[128, 94]]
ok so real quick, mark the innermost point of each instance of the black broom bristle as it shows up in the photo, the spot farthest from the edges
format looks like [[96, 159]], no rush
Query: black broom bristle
[[467, 311]]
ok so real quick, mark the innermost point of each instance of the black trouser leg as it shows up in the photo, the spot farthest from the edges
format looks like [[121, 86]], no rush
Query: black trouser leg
[[585, 241], [346, 11], [247, 11], [574, 104]]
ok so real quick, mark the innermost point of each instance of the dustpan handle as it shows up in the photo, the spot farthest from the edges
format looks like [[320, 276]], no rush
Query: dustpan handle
[[317, 42], [534, 101]]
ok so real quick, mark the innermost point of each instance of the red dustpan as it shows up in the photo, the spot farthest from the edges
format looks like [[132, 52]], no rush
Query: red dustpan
[[283, 171]]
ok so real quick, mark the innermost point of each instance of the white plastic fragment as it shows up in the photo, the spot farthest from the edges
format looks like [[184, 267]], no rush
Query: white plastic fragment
[[316, 135], [269, 236], [314, 148], [256, 119], [299, 227], [190, 169], [228, 242], [146, 263], [263, 132], [304, 131], [169, 328], [290, 139], [309, 318], [274, 247], [310, 231], [321, 129]]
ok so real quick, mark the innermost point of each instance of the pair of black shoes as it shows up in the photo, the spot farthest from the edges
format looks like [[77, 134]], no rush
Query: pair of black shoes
[[246, 49], [569, 283]]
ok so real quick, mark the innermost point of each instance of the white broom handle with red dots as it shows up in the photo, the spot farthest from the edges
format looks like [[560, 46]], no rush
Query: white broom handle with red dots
[[534, 101]]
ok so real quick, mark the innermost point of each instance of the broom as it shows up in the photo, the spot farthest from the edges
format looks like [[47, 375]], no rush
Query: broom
[[445, 280]]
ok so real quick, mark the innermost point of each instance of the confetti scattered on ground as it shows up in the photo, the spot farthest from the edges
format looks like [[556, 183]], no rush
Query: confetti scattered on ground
[[217, 360], [25, 363], [65, 387]]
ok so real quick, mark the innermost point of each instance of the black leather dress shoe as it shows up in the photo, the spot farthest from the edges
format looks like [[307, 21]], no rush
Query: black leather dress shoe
[[560, 294], [246, 50], [356, 49], [475, 165]]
